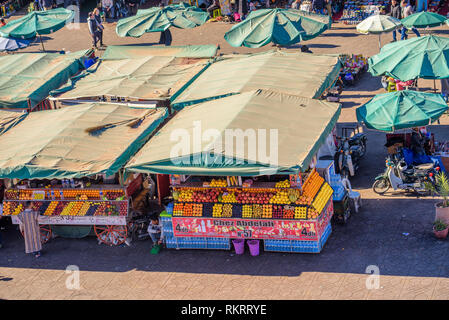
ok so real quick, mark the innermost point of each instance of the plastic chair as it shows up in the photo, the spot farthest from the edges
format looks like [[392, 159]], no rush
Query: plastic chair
[[355, 198], [216, 13]]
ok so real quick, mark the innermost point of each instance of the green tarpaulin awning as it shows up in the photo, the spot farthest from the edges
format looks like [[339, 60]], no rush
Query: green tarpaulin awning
[[33, 75], [9, 119], [147, 79], [135, 52], [301, 74], [55, 144], [421, 57], [254, 133], [280, 26], [37, 23], [401, 109]]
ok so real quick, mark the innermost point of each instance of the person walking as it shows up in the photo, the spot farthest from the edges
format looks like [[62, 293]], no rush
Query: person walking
[[100, 26], [395, 12], [406, 11], [93, 29], [29, 223], [296, 4], [329, 7]]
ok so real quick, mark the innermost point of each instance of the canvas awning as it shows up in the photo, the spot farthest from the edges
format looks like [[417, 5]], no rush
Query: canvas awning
[[33, 75], [55, 143], [134, 52], [301, 74], [295, 127], [9, 119], [137, 74]]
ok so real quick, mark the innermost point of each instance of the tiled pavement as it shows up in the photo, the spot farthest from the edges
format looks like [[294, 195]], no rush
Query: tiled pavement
[[50, 284]]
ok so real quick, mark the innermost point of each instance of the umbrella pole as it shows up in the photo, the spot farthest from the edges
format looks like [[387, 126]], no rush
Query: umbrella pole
[[42, 43], [434, 86], [379, 42]]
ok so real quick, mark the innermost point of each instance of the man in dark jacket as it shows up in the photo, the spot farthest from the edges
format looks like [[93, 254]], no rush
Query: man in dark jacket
[[215, 5], [94, 29], [395, 12]]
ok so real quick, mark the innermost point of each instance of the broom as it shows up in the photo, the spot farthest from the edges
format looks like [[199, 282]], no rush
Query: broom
[[130, 123]]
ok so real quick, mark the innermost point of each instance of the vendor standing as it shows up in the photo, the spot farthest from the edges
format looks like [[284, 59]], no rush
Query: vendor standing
[[29, 222], [417, 142]]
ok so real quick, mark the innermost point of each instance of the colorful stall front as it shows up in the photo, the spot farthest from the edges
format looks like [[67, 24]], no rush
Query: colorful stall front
[[222, 190], [68, 163]]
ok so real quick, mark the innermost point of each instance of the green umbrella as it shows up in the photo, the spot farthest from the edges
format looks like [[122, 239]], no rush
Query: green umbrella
[[280, 26], [37, 23], [423, 20], [378, 24], [401, 110], [158, 19], [421, 57]]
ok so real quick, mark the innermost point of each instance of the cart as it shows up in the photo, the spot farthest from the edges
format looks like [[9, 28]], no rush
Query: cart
[[105, 208]]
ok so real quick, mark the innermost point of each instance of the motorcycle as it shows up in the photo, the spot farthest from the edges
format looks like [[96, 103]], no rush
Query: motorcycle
[[399, 176], [350, 152]]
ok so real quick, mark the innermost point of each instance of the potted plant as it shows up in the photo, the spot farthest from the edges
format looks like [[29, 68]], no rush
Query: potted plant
[[441, 188], [440, 229]]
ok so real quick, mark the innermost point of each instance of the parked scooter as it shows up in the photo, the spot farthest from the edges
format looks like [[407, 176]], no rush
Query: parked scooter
[[350, 152], [399, 176]]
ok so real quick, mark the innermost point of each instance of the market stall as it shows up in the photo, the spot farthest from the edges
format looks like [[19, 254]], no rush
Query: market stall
[[72, 171], [271, 70], [353, 68], [136, 74], [357, 11], [27, 78], [230, 193]]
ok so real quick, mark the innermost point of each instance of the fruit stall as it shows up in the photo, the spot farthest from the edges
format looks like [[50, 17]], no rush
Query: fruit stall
[[69, 163], [230, 196], [104, 207], [291, 215]]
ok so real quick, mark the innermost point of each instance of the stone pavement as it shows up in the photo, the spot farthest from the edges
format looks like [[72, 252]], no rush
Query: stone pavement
[[392, 233]]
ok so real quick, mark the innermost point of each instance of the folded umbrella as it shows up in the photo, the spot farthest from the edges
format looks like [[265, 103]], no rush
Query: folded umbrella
[[280, 26], [158, 19]]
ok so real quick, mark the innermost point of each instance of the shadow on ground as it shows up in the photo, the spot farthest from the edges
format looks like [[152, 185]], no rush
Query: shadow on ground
[[385, 233]]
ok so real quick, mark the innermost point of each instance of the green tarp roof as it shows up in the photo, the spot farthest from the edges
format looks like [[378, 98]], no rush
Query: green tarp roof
[[133, 52], [54, 143], [301, 74], [301, 124], [33, 75], [140, 77], [9, 119]]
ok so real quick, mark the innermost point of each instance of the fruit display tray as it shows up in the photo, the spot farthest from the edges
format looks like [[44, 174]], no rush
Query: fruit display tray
[[69, 208], [256, 210], [97, 192]]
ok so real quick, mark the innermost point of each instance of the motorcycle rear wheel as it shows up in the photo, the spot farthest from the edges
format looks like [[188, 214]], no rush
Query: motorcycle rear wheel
[[381, 186]]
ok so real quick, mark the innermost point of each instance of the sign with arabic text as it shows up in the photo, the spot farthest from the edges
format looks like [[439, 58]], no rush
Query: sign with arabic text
[[245, 228]]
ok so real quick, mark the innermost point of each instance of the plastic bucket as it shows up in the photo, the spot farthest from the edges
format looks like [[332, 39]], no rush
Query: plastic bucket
[[253, 247], [239, 245]]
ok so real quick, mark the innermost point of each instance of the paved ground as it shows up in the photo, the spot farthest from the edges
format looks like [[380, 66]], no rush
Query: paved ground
[[392, 233]]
